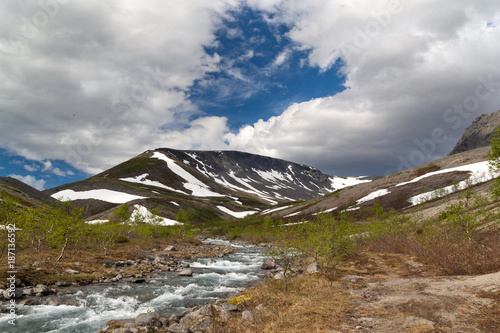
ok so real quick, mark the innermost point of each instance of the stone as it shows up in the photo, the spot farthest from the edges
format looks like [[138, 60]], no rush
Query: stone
[[313, 268], [178, 328], [108, 263], [72, 271], [229, 307], [28, 291], [185, 272], [225, 314], [268, 264], [41, 289], [206, 310], [121, 330], [31, 301], [170, 248], [173, 318], [15, 294], [279, 276], [247, 315], [54, 301], [137, 280], [203, 325], [63, 284], [148, 319]]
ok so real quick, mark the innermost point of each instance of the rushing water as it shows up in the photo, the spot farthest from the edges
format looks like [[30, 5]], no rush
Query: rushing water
[[212, 278]]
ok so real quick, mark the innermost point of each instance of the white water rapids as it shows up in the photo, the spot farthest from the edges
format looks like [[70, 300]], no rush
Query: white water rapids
[[165, 294]]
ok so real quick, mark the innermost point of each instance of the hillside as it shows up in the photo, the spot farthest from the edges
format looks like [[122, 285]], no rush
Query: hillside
[[404, 190], [22, 194], [211, 184]]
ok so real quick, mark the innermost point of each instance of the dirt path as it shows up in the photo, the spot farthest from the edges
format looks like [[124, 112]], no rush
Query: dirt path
[[389, 302]]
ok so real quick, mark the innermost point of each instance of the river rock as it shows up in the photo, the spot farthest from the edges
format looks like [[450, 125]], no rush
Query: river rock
[[28, 291], [173, 319], [268, 264], [54, 301], [148, 319], [313, 268], [203, 325], [41, 289], [247, 315], [108, 263], [31, 301], [63, 284], [185, 272], [137, 280], [170, 248], [178, 328], [225, 314], [229, 307], [15, 294]]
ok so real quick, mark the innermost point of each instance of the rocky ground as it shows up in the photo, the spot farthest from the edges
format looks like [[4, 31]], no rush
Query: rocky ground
[[402, 295]]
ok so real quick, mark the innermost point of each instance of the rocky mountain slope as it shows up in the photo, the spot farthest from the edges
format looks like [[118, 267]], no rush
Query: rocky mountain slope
[[402, 191], [216, 184], [22, 194], [478, 134]]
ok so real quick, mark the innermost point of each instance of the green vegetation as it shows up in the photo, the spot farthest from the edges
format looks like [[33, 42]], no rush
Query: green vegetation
[[494, 160], [427, 169], [61, 228]]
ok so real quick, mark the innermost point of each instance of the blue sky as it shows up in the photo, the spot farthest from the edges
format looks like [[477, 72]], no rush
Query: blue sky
[[349, 87]]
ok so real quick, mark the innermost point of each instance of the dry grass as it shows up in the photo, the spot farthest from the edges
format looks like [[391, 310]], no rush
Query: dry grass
[[87, 260], [451, 254], [311, 304], [489, 318]]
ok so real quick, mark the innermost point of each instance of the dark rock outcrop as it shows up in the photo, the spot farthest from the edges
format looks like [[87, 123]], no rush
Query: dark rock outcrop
[[478, 134]]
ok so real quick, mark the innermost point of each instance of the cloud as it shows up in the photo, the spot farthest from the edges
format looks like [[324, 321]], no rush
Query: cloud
[[39, 184], [47, 165], [30, 168], [102, 78], [106, 81], [406, 67]]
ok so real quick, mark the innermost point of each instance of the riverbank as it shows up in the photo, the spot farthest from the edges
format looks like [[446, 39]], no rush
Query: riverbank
[[169, 281]]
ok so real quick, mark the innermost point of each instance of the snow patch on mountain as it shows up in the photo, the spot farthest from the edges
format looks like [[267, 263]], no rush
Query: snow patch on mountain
[[142, 214], [197, 187], [100, 194], [236, 214], [141, 179], [341, 182], [480, 173], [374, 195]]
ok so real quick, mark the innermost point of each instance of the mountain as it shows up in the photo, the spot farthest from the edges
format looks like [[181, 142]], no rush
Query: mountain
[[479, 133], [433, 185], [22, 194], [213, 184]]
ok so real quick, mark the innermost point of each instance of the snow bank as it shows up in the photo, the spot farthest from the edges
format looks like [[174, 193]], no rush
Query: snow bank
[[142, 214], [236, 214], [198, 188], [102, 194]]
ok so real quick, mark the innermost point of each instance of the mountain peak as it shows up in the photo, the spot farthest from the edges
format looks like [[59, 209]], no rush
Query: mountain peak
[[479, 133]]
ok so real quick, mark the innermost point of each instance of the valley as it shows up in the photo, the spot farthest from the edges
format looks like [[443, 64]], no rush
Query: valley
[[382, 248]]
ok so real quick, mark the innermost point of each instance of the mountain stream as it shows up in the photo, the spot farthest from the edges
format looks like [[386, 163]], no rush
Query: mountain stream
[[212, 278]]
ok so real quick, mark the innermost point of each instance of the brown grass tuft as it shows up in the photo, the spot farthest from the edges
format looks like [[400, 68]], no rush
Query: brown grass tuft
[[311, 304]]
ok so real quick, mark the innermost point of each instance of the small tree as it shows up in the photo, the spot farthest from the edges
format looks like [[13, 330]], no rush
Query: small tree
[[494, 161]]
